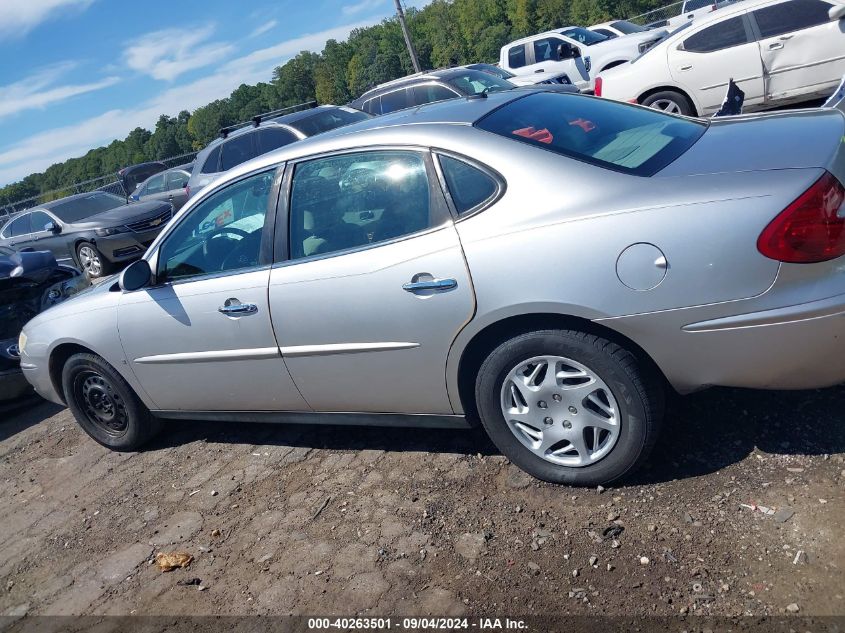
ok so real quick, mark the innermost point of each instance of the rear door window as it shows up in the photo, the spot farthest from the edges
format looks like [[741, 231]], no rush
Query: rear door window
[[396, 100], [516, 56], [609, 134], [721, 35], [790, 16], [270, 138], [18, 227], [545, 50], [211, 164], [429, 93], [236, 151]]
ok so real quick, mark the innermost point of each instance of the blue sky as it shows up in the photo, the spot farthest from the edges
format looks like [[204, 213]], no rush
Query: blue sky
[[77, 74]]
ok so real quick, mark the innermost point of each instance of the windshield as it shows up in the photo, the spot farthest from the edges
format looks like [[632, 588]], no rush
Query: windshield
[[328, 120], [86, 206], [628, 27], [473, 82], [630, 139], [584, 36]]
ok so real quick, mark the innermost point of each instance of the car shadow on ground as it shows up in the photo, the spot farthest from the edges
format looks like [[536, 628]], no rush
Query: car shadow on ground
[[711, 430], [703, 432], [22, 413]]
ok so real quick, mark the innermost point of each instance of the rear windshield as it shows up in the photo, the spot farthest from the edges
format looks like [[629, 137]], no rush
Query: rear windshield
[[328, 120], [584, 36], [630, 139], [81, 208]]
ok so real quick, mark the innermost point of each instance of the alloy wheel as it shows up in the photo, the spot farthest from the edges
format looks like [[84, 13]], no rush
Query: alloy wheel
[[90, 260], [667, 105], [560, 410]]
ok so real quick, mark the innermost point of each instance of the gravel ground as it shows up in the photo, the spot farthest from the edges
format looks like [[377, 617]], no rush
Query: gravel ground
[[327, 520]]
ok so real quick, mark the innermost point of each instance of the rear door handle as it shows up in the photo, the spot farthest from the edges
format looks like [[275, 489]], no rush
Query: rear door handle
[[775, 46], [687, 67], [234, 307], [437, 285]]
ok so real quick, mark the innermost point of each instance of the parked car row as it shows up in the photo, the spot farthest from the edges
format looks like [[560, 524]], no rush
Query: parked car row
[[777, 51]]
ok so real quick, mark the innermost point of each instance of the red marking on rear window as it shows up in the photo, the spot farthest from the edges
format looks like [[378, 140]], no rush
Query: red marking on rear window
[[541, 136], [584, 124]]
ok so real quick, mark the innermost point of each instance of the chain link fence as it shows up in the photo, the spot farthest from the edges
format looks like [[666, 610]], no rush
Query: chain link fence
[[108, 183], [658, 17]]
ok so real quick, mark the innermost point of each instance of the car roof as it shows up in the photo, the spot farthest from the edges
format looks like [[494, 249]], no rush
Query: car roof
[[410, 80], [54, 203]]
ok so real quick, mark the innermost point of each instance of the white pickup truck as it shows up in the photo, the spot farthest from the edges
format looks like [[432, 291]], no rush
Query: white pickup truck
[[578, 52]]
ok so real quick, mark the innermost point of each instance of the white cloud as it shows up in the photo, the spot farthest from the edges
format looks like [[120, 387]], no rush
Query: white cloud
[[169, 53], [38, 152], [38, 90], [360, 7], [267, 26], [18, 17]]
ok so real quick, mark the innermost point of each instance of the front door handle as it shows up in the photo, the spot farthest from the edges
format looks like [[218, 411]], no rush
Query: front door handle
[[775, 46], [437, 285], [687, 67], [233, 307]]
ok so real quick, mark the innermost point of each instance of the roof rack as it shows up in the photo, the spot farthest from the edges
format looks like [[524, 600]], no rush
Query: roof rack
[[258, 118]]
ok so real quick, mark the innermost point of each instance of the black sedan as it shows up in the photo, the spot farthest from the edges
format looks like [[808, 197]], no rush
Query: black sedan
[[95, 231], [29, 283]]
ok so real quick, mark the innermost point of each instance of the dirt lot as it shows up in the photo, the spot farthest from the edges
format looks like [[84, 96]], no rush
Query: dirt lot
[[317, 520]]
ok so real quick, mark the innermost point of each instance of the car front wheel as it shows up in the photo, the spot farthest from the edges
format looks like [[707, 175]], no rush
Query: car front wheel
[[104, 404], [569, 407], [91, 261]]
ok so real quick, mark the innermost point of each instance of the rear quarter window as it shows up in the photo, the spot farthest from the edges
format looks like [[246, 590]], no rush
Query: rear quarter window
[[629, 139]]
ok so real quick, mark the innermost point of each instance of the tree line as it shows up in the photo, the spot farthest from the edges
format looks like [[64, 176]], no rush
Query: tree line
[[445, 32]]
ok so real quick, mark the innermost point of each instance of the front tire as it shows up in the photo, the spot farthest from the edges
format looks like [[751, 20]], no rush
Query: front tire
[[104, 404], [569, 407], [92, 261], [671, 102]]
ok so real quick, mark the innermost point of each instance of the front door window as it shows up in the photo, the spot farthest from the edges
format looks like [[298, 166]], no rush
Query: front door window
[[221, 234]]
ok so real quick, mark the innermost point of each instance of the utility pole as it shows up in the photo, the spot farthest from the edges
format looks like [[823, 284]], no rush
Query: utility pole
[[401, 14]]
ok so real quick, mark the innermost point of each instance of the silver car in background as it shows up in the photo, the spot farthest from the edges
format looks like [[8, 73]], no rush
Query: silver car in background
[[549, 264]]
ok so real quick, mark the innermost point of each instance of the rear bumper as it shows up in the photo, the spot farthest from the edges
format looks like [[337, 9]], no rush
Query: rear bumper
[[126, 247], [795, 347]]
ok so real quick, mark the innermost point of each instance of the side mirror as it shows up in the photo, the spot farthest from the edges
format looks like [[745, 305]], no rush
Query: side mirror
[[135, 276], [54, 228], [837, 12]]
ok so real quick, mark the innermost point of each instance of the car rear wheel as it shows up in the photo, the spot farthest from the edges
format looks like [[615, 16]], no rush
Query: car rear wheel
[[671, 102], [92, 262], [569, 407], [104, 404]]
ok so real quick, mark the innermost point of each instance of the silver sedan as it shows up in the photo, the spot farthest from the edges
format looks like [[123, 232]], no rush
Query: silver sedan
[[547, 264]]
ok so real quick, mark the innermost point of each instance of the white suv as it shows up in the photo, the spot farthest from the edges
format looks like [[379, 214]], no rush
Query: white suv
[[576, 51], [777, 51]]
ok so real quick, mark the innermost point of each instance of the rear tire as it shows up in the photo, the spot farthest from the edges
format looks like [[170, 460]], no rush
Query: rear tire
[[594, 421], [104, 404], [671, 102], [91, 261]]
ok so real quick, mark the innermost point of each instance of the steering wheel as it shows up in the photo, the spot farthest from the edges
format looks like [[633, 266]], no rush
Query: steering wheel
[[241, 252], [226, 229]]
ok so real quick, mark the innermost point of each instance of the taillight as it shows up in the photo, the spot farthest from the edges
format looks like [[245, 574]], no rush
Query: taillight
[[811, 229], [598, 86]]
